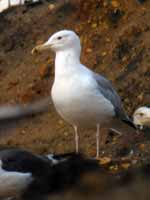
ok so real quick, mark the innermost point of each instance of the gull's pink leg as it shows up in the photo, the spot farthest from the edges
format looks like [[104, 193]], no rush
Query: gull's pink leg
[[97, 140], [9, 3], [76, 139]]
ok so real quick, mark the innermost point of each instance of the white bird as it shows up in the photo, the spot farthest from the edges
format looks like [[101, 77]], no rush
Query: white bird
[[83, 98], [141, 117]]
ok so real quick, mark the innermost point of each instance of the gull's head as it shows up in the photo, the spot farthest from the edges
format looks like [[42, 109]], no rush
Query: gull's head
[[141, 117], [61, 41]]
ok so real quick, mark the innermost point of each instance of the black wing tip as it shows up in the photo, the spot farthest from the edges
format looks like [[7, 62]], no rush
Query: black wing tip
[[130, 123]]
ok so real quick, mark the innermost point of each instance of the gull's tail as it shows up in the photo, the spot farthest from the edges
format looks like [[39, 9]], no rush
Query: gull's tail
[[124, 118], [128, 121]]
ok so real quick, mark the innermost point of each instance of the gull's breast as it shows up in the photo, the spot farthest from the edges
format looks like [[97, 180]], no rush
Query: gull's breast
[[79, 102]]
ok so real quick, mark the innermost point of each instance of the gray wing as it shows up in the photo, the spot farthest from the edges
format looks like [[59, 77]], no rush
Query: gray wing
[[109, 92], [18, 111], [11, 115]]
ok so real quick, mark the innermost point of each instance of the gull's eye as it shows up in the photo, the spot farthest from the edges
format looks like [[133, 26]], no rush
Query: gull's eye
[[141, 114], [59, 38]]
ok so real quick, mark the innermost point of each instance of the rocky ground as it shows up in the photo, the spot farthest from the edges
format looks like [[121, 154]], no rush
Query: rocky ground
[[116, 43]]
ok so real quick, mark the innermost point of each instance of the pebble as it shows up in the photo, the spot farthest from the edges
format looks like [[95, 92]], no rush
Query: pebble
[[104, 160], [125, 165], [60, 122], [66, 134], [88, 50], [51, 7], [115, 4]]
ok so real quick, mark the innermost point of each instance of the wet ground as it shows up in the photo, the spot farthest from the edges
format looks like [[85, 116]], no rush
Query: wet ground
[[115, 39]]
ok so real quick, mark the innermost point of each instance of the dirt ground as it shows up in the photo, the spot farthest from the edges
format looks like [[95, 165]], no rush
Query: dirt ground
[[116, 43]]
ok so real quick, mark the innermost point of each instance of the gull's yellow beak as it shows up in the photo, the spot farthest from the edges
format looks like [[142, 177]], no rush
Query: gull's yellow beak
[[41, 47]]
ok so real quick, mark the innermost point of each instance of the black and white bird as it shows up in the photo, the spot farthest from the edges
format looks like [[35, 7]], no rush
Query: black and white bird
[[29, 176], [83, 98], [21, 173], [32, 2]]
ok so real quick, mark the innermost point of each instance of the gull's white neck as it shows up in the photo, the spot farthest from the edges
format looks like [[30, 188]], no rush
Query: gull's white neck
[[66, 61]]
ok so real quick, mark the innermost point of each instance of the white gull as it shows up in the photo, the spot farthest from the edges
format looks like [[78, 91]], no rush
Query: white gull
[[83, 98]]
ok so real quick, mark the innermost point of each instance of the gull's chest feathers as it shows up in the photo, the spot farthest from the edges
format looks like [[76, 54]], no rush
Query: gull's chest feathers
[[70, 88], [76, 95]]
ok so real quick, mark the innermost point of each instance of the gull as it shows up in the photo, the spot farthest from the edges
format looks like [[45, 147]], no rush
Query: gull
[[19, 172], [26, 175], [82, 97], [141, 117]]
